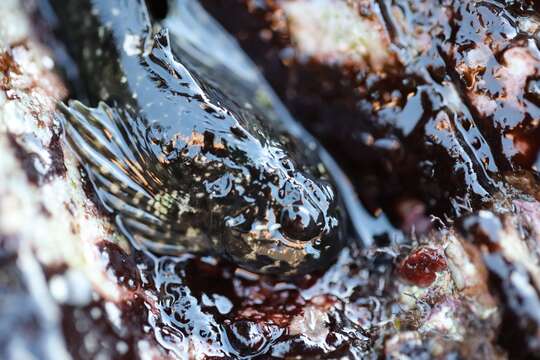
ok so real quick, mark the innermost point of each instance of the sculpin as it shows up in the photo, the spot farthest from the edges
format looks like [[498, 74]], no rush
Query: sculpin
[[185, 157]]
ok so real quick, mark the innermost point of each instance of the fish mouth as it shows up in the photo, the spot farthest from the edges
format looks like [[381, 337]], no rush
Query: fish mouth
[[283, 258]]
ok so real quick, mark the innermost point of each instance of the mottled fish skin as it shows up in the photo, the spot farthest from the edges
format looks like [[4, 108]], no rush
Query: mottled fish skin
[[183, 165]]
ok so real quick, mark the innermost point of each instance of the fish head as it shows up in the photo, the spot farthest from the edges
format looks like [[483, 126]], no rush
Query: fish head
[[294, 225]]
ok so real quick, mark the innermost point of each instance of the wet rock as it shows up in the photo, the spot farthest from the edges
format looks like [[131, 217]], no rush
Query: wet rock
[[483, 279]]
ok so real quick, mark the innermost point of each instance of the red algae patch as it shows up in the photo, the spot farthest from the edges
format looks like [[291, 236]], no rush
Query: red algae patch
[[421, 266]]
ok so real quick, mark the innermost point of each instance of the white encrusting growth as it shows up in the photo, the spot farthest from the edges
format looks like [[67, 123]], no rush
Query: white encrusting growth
[[334, 32], [132, 45]]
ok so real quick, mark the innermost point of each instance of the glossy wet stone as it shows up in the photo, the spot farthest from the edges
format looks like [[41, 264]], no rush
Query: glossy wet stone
[[512, 279]]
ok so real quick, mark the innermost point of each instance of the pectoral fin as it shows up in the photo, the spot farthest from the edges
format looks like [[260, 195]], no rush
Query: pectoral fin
[[127, 177]]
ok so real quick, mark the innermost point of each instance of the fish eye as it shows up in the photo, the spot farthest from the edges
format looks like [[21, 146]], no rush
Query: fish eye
[[299, 223]]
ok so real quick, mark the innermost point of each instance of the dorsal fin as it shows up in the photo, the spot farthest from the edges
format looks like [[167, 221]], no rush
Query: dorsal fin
[[161, 58]]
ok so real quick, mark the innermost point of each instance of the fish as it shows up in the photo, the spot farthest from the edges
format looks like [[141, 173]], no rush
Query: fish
[[187, 162]]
